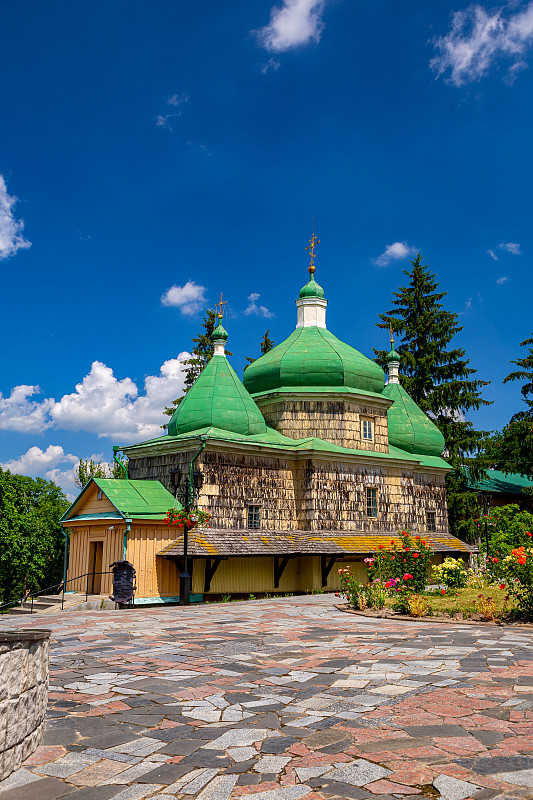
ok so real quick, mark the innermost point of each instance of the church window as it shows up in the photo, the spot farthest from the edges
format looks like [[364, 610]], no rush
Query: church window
[[99, 495], [431, 520], [253, 516], [367, 428], [371, 502]]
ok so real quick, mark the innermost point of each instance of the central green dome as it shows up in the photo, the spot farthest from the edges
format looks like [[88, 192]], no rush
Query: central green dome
[[311, 289], [313, 357]]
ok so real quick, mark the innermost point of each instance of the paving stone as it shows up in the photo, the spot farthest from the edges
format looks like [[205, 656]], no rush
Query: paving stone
[[489, 766], [219, 788], [137, 791], [20, 777], [435, 731], [238, 737], [453, 788], [182, 747], [66, 766], [281, 793], [248, 779], [278, 744], [272, 763], [198, 781], [240, 766], [163, 774], [358, 773], [522, 777]]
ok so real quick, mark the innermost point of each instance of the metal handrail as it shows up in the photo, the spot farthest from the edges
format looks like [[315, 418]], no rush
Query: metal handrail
[[59, 586]]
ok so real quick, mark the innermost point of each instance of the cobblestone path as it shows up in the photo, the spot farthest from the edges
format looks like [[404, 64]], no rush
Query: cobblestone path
[[280, 700]]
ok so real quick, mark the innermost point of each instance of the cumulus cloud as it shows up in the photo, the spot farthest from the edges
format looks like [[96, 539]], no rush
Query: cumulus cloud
[[47, 464], [478, 38], [101, 404], [259, 310], [20, 413], [11, 238], [189, 298], [294, 23], [394, 252], [503, 279]]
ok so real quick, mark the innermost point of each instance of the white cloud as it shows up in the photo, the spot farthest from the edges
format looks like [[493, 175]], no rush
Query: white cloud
[[253, 308], [511, 247], [271, 64], [468, 304], [164, 121], [394, 252], [493, 255], [292, 24], [189, 298], [101, 404], [503, 279], [478, 38], [19, 413], [109, 407], [11, 238], [177, 99], [36, 461]]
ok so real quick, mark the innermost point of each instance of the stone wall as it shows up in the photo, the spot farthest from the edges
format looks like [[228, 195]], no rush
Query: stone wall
[[23, 695], [336, 421]]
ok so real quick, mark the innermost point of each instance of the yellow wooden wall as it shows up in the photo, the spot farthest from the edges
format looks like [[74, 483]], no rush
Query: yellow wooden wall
[[79, 558], [156, 576]]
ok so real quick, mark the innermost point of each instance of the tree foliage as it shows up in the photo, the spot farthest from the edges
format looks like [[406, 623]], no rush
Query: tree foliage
[[435, 373], [201, 355], [31, 552], [88, 469], [266, 344], [524, 373]]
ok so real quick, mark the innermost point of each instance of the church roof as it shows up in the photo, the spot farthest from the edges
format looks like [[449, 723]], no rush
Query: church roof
[[217, 399], [313, 357], [409, 428], [135, 498]]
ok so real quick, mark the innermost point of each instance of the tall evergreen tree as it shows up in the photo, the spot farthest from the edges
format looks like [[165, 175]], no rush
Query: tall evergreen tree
[[438, 377], [511, 449], [201, 354], [524, 373], [266, 344]]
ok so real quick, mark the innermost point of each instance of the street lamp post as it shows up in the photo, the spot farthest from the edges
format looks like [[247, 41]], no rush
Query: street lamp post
[[484, 500], [194, 484]]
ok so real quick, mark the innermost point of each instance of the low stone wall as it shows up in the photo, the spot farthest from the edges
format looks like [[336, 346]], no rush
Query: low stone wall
[[23, 695]]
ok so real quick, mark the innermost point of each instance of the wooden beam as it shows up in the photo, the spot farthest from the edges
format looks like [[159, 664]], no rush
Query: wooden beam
[[326, 567], [211, 566], [279, 569]]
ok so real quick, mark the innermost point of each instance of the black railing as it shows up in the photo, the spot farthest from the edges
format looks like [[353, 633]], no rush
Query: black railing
[[60, 587]]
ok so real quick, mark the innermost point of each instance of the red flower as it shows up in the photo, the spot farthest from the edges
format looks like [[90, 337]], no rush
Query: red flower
[[528, 534], [380, 547], [495, 560], [502, 585], [417, 537], [443, 591], [415, 555], [407, 576], [392, 541]]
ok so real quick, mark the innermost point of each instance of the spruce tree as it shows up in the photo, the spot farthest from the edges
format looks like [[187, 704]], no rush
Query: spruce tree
[[511, 449], [266, 344], [524, 373], [436, 375], [201, 354]]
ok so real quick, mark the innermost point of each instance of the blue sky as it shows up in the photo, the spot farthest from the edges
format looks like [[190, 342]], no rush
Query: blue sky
[[145, 146]]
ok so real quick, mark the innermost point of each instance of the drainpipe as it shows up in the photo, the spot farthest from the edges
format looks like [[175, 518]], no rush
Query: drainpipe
[[125, 540], [118, 461], [65, 559]]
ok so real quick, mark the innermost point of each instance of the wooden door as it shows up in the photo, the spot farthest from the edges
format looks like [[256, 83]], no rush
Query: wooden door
[[96, 552]]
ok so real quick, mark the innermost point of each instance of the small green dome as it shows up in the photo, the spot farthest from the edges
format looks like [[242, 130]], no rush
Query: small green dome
[[393, 356], [219, 333], [313, 357], [217, 399], [409, 428], [311, 289]]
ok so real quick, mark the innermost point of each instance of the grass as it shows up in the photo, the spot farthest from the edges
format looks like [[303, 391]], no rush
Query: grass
[[464, 602]]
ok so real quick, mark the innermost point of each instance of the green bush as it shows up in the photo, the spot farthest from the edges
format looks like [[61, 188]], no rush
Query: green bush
[[452, 573], [406, 556]]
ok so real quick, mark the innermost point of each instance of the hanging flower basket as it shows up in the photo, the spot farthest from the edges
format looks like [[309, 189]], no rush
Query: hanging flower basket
[[187, 519]]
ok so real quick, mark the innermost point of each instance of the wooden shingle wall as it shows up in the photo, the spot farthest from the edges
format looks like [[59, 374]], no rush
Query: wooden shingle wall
[[336, 421]]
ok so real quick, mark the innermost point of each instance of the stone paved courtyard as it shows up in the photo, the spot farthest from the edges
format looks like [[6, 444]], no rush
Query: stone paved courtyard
[[280, 700]]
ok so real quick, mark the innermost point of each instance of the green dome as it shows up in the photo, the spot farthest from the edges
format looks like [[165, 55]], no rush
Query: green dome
[[219, 333], [312, 289], [409, 428], [313, 357], [217, 399], [393, 356]]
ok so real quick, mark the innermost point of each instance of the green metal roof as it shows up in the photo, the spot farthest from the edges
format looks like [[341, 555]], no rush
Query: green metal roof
[[409, 428], [313, 357], [393, 356], [217, 399], [144, 499], [274, 439], [497, 482], [312, 289], [219, 333]]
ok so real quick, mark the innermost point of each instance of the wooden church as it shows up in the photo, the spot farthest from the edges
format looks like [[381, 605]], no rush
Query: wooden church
[[306, 465]]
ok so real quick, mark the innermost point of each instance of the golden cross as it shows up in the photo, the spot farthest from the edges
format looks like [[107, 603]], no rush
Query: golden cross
[[220, 306], [312, 242], [391, 336]]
